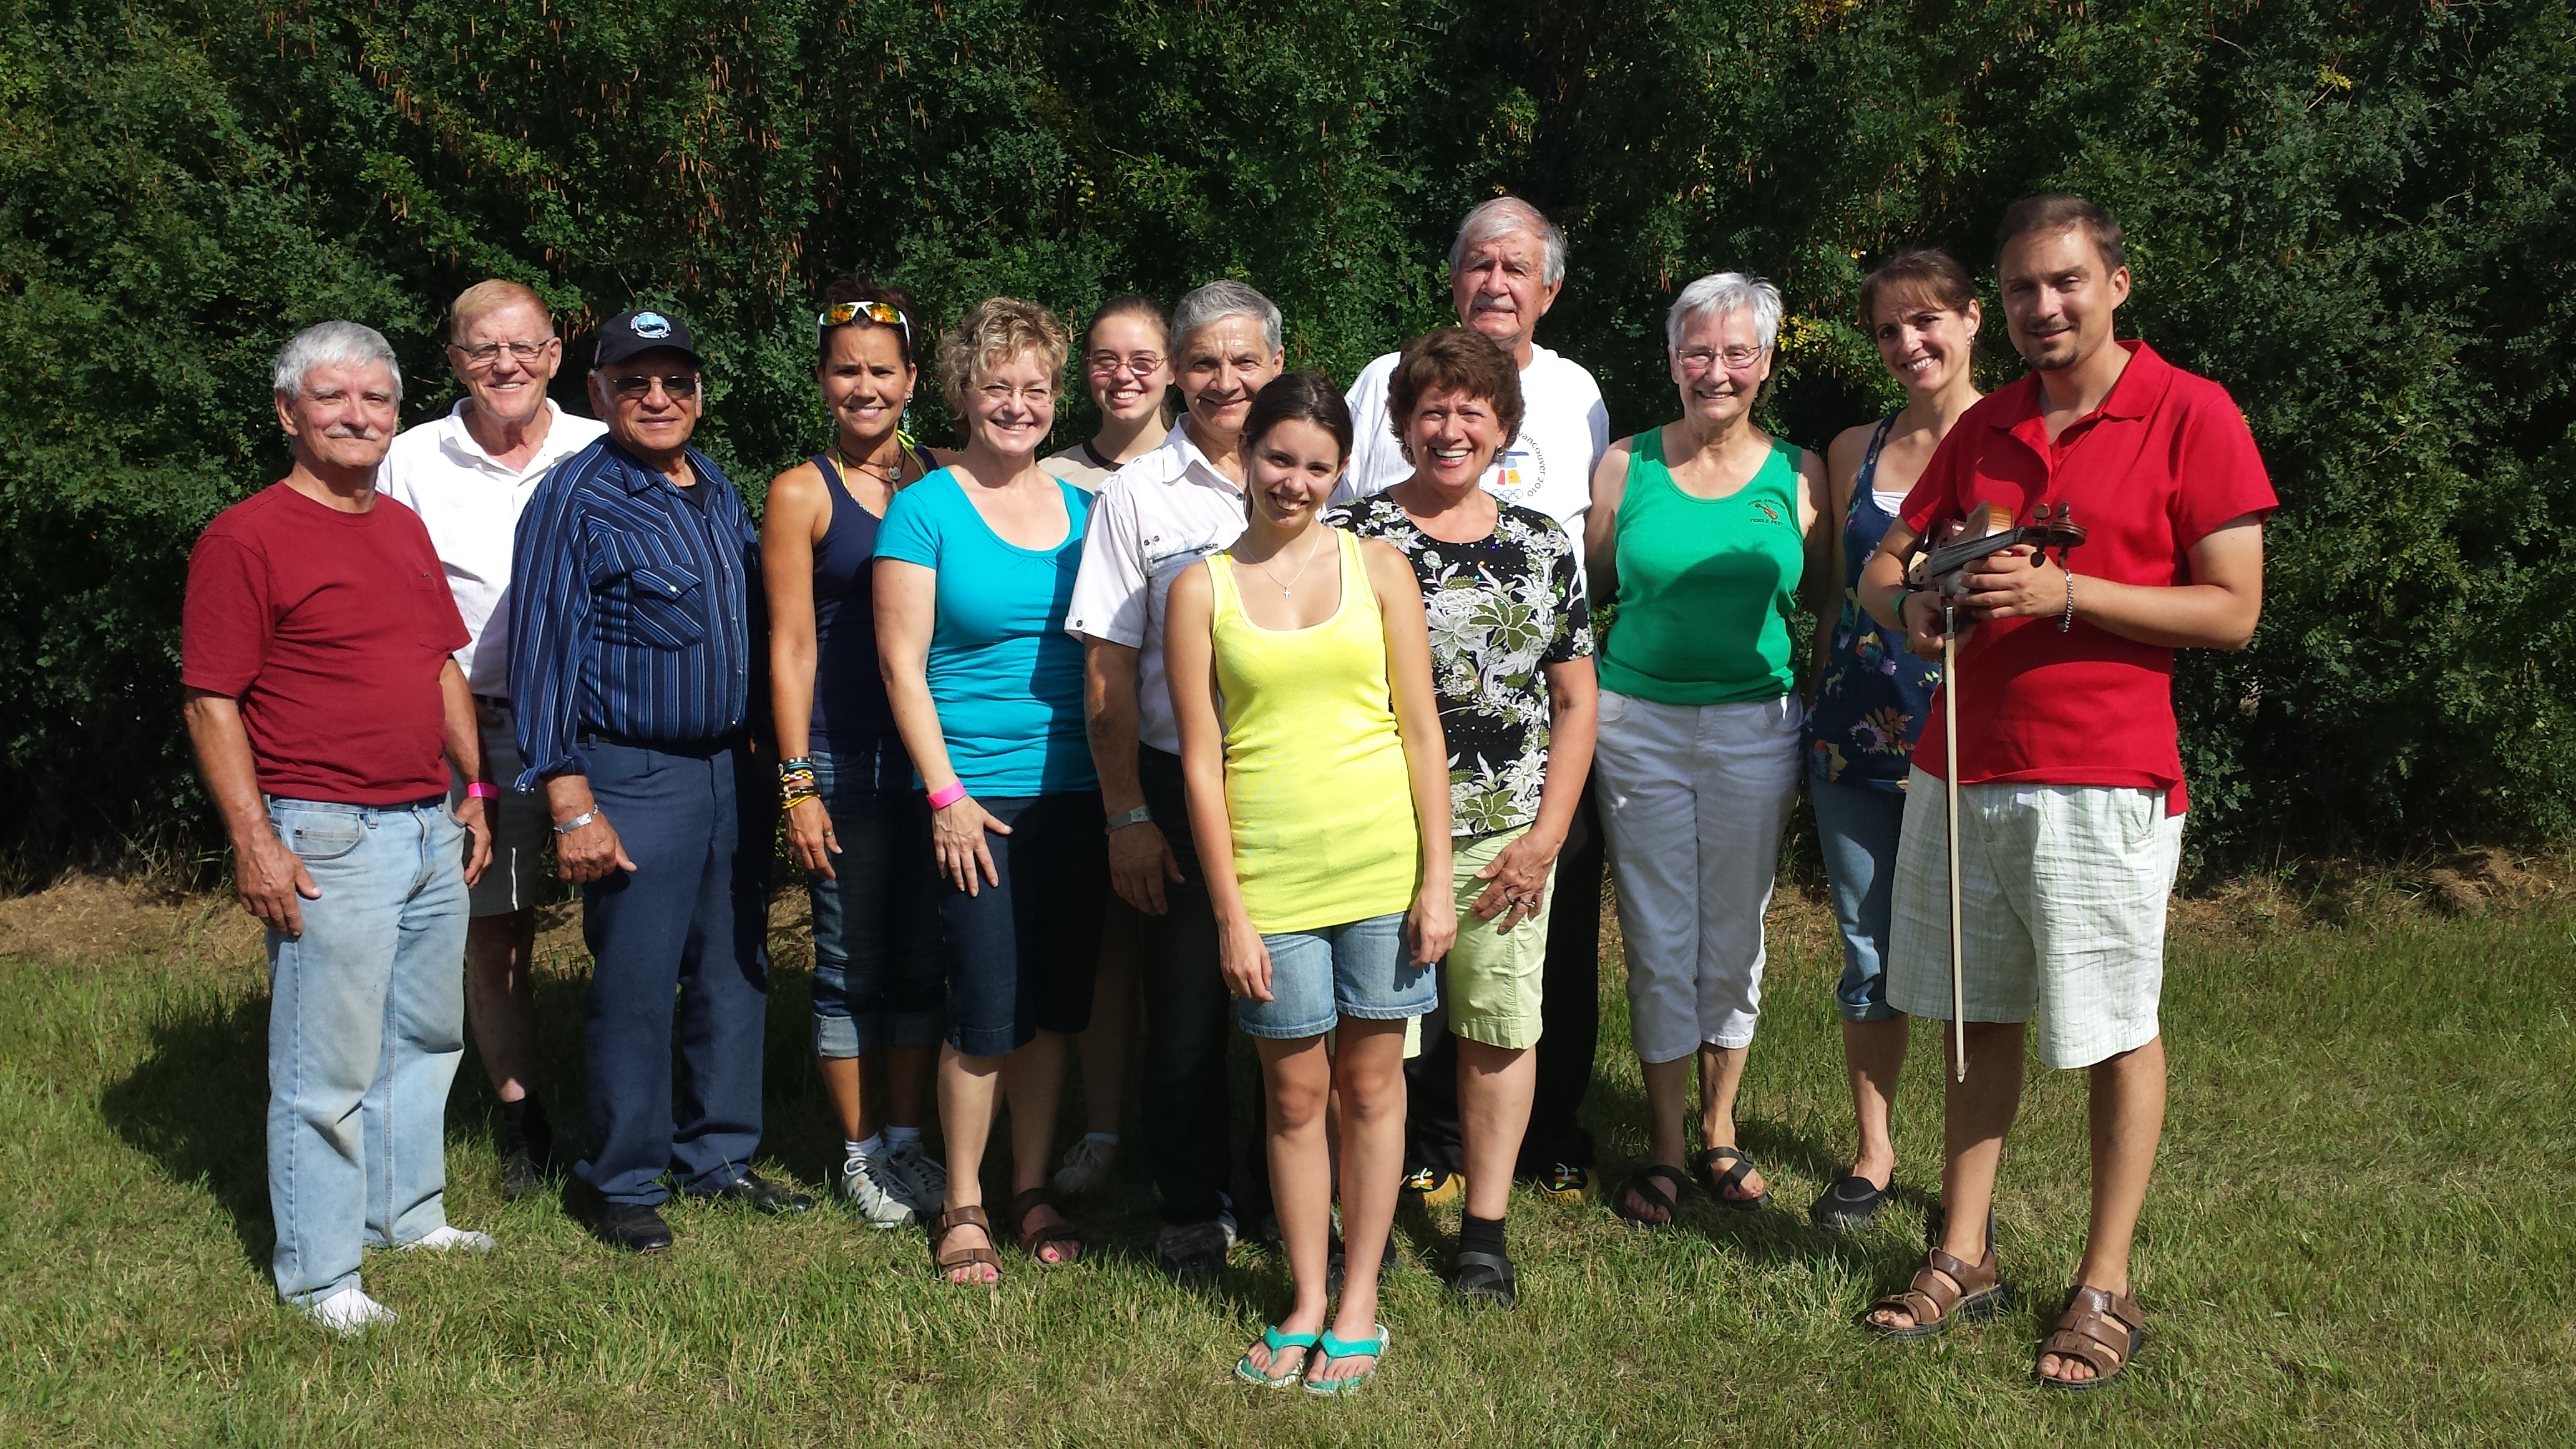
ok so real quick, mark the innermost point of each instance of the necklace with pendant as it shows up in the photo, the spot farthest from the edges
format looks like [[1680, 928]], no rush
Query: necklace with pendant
[[1311, 551]]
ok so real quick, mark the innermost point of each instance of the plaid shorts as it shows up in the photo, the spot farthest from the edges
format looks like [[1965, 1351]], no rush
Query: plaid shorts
[[2062, 892]]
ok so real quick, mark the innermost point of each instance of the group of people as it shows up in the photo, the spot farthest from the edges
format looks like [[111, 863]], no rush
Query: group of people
[[1291, 711]]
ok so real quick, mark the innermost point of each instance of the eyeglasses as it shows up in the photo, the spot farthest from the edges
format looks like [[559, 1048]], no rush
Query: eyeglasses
[[884, 314], [999, 394], [634, 387], [1698, 359], [1110, 364], [484, 354]]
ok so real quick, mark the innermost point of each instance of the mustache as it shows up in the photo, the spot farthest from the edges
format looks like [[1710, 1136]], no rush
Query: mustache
[[363, 432]]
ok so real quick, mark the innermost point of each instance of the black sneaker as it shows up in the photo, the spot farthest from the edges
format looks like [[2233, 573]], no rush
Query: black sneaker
[[527, 1143], [755, 1191], [630, 1227], [1185, 1251]]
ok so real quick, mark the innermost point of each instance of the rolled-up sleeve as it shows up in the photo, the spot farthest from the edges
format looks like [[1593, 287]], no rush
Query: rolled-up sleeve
[[550, 630], [1109, 593]]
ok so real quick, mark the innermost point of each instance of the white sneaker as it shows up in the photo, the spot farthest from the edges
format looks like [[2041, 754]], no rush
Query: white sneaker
[[1086, 1166], [449, 1239], [868, 1185], [349, 1312], [919, 1181]]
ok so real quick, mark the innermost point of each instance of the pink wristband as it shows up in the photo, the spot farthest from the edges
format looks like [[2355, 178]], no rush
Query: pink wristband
[[479, 790], [948, 794]]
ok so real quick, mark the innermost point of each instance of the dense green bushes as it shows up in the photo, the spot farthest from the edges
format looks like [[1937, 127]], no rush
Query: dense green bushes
[[2358, 216]]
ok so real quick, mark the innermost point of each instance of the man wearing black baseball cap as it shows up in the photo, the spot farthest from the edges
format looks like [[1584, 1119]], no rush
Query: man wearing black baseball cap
[[635, 664]]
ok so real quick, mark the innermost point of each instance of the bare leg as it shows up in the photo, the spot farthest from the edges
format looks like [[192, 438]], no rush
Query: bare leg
[[1667, 1095], [1033, 1080], [909, 1074], [1495, 1086], [1874, 1051], [1298, 1078], [968, 1089], [845, 1086], [2128, 1112], [1975, 1116], [1721, 1072], [1113, 1012], [1368, 1076], [500, 996]]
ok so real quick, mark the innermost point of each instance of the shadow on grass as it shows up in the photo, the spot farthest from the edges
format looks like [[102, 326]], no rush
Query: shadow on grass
[[198, 1105]]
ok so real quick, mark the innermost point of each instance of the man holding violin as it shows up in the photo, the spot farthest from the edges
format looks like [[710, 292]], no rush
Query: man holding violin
[[2071, 795], [635, 660]]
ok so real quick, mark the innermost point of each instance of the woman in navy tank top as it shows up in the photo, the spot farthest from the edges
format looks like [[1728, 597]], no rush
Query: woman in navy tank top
[[1871, 694], [843, 775]]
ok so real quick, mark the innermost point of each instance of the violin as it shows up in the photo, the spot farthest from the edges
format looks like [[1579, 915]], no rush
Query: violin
[[1988, 530]]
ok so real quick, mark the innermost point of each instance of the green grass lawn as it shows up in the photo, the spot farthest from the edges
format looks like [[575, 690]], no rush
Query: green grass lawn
[[2363, 1230]]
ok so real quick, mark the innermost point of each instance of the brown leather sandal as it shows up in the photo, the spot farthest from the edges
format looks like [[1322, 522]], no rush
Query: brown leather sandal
[[1034, 1241], [945, 1263], [2099, 1329], [1943, 1289]]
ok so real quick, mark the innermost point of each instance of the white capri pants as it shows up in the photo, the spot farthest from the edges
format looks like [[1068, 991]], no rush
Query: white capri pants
[[1693, 798]]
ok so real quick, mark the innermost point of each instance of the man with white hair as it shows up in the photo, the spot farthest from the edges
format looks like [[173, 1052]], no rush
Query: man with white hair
[[1505, 271], [321, 694], [468, 475]]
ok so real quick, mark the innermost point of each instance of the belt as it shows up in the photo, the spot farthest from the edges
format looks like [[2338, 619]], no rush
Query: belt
[[701, 749], [495, 701]]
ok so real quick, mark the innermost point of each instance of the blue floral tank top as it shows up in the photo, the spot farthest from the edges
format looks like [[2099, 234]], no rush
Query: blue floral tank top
[[1875, 695]]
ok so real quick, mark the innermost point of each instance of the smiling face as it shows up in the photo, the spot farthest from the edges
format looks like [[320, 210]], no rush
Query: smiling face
[[1123, 389], [2058, 297], [1222, 365], [1497, 288], [865, 383], [1452, 437], [1293, 468], [1011, 408], [507, 387], [343, 416], [1720, 366], [1923, 344], [636, 399]]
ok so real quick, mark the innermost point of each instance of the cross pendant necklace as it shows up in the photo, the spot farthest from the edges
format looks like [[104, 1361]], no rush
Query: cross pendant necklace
[[1292, 578]]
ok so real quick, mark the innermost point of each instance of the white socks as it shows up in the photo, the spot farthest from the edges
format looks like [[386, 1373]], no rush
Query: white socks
[[869, 1148], [899, 1136]]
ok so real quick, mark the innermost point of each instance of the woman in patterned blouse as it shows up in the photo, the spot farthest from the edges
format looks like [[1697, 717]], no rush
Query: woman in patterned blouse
[[1511, 655]]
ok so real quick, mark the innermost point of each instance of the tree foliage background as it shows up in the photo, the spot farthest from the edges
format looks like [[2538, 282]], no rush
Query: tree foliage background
[[2358, 216]]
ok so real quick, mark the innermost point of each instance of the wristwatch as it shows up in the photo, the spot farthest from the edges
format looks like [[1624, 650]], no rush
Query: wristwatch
[[1120, 821]]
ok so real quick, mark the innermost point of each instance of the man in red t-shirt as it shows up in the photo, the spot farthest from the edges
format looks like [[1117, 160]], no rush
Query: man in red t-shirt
[[325, 710], [2070, 771]]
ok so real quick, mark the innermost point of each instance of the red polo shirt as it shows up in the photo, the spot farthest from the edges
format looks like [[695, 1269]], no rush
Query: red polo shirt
[[331, 629], [2160, 465]]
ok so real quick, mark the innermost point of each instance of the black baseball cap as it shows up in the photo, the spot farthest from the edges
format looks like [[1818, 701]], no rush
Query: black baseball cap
[[642, 330]]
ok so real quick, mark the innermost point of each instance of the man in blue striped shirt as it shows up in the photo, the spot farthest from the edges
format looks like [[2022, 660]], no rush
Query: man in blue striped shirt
[[634, 647]]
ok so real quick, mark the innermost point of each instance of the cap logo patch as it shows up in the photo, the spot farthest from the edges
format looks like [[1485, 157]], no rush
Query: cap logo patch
[[651, 324]]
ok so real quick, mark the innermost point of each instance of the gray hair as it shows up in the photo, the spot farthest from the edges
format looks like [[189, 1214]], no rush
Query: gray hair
[[1217, 301], [333, 344], [1504, 216], [1719, 293]]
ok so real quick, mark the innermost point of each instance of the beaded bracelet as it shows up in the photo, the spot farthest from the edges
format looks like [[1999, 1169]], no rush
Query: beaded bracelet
[[2066, 621], [796, 783]]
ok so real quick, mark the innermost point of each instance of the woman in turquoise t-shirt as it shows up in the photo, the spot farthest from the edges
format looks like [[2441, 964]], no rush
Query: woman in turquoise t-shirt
[[1705, 530], [974, 573]]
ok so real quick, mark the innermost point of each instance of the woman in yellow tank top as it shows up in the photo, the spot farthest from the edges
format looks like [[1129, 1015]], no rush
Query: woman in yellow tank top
[[1310, 737]]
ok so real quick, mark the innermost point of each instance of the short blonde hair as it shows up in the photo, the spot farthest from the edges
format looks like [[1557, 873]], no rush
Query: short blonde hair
[[998, 330], [484, 298]]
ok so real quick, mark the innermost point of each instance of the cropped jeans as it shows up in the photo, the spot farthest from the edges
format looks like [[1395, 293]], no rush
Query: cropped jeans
[[366, 1025], [877, 979]]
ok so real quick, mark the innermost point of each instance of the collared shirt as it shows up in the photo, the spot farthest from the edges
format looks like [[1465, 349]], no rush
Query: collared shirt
[[470, 502], [2161, 464], [1565, 428], [1152, 519], [638, 609]]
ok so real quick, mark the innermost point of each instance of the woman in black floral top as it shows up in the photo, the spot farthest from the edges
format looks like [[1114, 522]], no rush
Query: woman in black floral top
[[1511, 654]]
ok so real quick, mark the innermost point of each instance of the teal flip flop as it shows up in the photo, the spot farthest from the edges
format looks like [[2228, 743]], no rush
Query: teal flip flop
[[1277, 1343], [1351, 1348]]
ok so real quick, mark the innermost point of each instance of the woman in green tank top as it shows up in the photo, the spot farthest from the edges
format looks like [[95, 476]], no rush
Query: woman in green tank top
[[1706, 531], [1300, 669]]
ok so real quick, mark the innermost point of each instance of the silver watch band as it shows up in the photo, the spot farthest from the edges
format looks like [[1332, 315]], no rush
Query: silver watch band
[[1120, 821], [577, 822]]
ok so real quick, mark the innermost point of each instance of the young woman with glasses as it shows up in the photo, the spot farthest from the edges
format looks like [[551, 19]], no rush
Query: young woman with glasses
[[1127, 365]]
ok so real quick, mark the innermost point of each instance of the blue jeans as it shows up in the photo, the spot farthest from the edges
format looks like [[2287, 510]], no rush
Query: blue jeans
[[1858, 827], [876, 940], [366, 1023], [1319, 977]]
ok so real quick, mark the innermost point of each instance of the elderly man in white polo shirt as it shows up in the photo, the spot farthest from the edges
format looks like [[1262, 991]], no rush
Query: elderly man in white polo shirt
[[467, 475], [1505, 270], [1154, 518]]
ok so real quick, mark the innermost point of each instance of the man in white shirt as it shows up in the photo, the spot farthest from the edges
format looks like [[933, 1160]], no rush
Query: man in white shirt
[[1153, 519], [1505, 270], [467, 475]]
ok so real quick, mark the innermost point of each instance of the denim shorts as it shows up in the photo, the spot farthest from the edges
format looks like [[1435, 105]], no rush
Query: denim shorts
[[1319, 977], [1020, 958]]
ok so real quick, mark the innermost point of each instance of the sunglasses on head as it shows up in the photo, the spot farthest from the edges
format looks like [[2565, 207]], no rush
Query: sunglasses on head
[[631, 387], [884, 314]]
